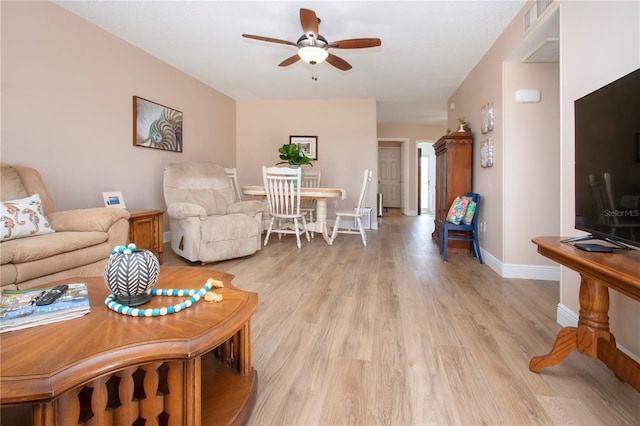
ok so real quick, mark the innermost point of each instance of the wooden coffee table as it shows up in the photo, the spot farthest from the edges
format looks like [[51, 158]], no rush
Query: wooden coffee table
[[189, 368]]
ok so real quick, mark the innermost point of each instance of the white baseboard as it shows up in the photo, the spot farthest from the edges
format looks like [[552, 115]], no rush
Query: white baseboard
[[512, 270], [567, 318]]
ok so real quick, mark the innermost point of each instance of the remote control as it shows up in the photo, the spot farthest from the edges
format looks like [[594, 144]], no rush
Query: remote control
[[594, 248], [52, 295]]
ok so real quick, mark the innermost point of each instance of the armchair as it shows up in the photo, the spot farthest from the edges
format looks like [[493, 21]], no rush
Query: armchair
[[206, 222]]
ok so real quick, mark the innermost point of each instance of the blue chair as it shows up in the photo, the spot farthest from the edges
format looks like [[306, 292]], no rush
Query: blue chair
[[450, 231]]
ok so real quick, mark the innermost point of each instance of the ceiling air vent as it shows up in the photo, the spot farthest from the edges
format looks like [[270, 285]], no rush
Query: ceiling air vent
[[535, 12]]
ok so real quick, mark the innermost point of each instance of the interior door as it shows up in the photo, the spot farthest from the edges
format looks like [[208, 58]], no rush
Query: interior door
[[389, 176]]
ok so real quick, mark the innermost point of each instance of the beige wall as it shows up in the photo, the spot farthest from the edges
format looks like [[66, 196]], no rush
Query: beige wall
[[412, 133], [589, 60], [531, 163], [67, 89], [525, 148], [534, 143], [346, 131]]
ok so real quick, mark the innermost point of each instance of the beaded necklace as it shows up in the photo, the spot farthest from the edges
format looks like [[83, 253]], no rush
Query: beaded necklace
[[154, 312]]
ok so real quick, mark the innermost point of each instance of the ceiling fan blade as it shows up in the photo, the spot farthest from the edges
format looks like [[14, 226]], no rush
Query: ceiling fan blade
[[339, 63], [356, 43], [269, 39], [292, 60], [309, 22]]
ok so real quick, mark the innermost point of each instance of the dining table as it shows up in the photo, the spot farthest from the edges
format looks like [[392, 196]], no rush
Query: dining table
[[321, 195]]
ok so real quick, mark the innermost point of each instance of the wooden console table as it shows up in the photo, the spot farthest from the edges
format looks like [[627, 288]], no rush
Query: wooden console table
[[189, 368], [599, 272]]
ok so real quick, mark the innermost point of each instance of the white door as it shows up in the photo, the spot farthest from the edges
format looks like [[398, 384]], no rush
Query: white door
[[389, 176]]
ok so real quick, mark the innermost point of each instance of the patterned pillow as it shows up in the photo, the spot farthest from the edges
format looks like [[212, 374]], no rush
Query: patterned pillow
[[471, 209], [457, 210], [23, 218]]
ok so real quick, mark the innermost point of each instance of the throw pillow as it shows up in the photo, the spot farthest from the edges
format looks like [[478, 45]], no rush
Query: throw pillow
[[471, 210], [23, 218], [457, 210]]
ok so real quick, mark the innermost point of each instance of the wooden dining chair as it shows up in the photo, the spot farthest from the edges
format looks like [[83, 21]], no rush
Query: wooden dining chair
[[282, 186], [310, 179], [355, 216]]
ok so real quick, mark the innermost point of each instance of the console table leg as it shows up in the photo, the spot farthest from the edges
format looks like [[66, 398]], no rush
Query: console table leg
[[566, 342]]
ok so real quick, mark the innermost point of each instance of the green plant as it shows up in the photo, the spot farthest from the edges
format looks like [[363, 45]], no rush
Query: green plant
[[462, 121], [290, 154]]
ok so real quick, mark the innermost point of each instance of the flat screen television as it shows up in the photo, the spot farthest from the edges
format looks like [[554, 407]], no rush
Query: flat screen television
[[607, 167]]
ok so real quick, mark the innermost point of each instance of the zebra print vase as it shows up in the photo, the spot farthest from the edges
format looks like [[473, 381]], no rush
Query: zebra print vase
[[130, 276]]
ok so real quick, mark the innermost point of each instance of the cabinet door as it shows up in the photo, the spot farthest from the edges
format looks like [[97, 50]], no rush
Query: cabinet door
[[143, 232]]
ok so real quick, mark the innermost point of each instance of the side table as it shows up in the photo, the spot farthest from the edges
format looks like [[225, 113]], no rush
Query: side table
[[145, 230]]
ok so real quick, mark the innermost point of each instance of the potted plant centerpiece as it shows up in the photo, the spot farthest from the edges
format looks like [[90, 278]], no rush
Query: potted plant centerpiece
[[291, 155]]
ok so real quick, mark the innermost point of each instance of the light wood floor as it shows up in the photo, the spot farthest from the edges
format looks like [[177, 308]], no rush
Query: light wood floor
[[389, 334]]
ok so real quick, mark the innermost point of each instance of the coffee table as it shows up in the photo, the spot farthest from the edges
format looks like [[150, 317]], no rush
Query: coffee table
[[190, 368]]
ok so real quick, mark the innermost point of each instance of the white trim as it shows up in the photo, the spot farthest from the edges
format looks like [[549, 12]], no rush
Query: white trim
[[565, 316], [530, 272]]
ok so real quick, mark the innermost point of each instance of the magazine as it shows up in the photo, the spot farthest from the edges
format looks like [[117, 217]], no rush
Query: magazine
[[18, 308]]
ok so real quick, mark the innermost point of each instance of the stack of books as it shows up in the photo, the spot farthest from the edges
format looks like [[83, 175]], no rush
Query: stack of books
[[20, 308]]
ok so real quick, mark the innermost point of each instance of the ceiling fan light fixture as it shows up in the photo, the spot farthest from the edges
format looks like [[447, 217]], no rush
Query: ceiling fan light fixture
[[313, 54]]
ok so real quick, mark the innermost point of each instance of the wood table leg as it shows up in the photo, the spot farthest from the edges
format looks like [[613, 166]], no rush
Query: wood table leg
[[593, 324], [566, 342]]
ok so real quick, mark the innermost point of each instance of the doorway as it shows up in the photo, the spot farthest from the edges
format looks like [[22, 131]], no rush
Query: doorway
[[426, 178], [389, 174]]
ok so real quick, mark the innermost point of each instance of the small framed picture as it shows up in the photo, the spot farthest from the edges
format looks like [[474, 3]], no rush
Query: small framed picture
[[113, 200], [487, 118], [307, 144], [486, 153]]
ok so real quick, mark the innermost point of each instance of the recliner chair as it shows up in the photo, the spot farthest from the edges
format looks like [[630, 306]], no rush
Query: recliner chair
[[206, 222]]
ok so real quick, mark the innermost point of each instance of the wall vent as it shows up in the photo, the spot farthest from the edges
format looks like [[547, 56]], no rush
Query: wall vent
[[535, 12]]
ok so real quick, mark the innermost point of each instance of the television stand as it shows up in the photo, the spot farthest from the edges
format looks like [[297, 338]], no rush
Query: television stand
[[593, 237], [592, 336]]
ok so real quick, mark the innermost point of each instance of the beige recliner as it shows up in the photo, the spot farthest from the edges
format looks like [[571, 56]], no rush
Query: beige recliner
[[206, 223]]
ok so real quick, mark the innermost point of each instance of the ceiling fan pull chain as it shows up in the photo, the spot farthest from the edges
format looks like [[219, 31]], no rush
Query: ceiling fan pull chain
[[314, 72]]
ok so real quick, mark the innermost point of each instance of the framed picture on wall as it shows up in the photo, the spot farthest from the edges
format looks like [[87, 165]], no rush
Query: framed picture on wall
[[486, 153], [487, 118], [306, 144], [156, 126], [113, 200]]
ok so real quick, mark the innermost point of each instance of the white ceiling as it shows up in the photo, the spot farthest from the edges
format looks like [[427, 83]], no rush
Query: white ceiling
[[428, 47]]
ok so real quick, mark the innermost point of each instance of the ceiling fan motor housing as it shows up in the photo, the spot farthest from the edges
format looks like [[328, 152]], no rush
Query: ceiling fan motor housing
[[305, 41]]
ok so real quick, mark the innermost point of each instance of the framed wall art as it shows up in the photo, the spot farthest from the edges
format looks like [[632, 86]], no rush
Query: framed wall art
[[487, 118], [486, 153], [306, 144], [156, 126], [113, 200]]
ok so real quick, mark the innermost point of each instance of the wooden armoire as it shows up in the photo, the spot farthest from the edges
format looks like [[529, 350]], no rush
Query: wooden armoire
[[454, 158]]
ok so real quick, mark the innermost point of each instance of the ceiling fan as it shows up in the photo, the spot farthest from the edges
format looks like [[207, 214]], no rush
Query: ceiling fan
[[312, 47]]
